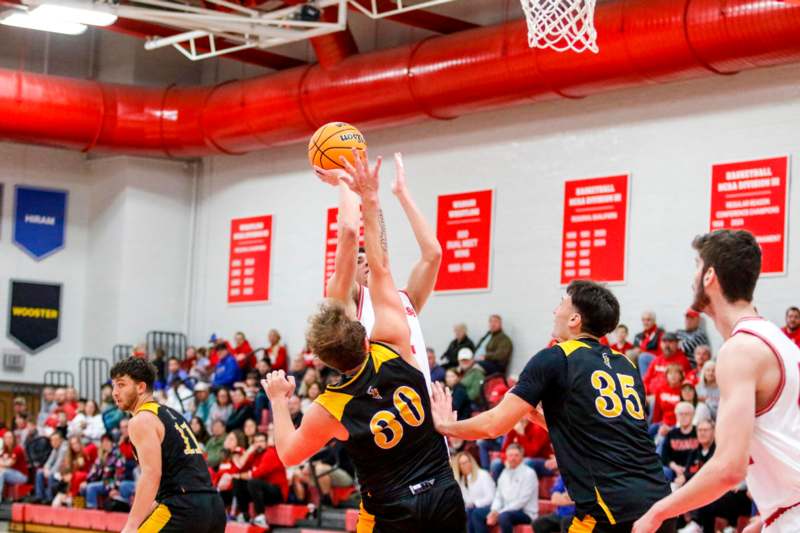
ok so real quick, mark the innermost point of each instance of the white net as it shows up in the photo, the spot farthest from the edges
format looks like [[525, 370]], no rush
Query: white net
[[561, 24]]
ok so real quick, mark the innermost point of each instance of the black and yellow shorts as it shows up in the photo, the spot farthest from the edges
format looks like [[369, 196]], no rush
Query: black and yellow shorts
[[198, 512], [438, 510], [589, 525]]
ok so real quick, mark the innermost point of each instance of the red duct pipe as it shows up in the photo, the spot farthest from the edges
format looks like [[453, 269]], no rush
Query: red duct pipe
[[641, 41], [332, 48]]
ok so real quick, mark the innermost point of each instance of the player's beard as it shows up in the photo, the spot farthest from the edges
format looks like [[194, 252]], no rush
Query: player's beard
[[127, 402], [701, 299]]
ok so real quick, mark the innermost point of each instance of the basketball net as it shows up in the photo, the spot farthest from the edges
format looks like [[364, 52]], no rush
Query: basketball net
[[561, 24]]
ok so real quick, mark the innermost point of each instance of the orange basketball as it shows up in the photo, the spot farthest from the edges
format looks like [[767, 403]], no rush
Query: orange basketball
[[332, 141]]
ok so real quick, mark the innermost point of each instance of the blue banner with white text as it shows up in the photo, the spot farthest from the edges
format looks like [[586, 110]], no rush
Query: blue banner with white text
[[39, 220]]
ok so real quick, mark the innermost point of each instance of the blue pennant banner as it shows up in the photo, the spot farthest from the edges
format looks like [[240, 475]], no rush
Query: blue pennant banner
[[39, 220]]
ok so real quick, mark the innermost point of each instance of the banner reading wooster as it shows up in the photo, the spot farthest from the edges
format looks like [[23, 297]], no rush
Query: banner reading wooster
[[34, 314], [752, 195], [39, 220]]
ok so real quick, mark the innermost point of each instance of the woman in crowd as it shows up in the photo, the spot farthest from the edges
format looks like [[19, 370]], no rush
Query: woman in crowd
[[477, 486], [88, 423], [231, 462], [243, 352], [708, 390], [13, 463], [311, 376], [277, 352], [249, 429], [74, 470], [313, 392], [689, 394], [222, 409], [199, 430]]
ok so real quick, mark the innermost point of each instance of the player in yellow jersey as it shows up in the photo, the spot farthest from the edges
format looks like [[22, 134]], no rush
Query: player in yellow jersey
[[174, 492]]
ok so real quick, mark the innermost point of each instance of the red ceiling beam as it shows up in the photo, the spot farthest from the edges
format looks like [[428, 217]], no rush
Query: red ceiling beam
[[419, 18], [253, 56]]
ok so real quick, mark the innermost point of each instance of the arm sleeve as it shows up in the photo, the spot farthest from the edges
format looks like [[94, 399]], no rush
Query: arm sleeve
[[545, 370]]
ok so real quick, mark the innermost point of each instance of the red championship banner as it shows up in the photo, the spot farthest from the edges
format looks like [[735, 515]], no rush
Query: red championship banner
[[752, 195], [248, 267], [331, 237], [595, 225], [464, 229]]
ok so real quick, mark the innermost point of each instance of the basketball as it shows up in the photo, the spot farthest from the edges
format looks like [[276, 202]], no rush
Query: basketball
[[332, 141]]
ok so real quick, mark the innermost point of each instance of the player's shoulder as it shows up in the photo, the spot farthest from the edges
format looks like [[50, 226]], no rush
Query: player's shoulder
[[572, 346], [744, 348]]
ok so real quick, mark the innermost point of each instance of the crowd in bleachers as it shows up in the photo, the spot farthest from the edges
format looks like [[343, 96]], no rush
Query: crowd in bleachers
[[77, 452]]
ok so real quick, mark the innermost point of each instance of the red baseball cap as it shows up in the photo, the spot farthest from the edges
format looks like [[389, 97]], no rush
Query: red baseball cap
[[692, 313]]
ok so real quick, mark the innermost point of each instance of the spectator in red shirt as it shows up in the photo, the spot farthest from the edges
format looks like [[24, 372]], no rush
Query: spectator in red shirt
[[124, 443], [536, 449], [189, 359], [649, 339], [13, 463], [792, 328], [243, 352], [276, 351], [621, 343], [262, 479], [655, 376], [668, 394]]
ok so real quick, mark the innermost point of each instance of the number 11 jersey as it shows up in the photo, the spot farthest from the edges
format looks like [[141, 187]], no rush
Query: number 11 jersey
[[593, 400]]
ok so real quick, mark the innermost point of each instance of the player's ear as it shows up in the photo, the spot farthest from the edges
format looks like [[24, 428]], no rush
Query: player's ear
[[709, 276]]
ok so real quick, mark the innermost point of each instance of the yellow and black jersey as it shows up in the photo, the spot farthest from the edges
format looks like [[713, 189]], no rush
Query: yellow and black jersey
[[386, 410], [594, 404], [183, 468]]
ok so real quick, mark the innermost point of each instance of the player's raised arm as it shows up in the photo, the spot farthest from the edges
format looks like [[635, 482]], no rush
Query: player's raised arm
[[144, 435], [423, 275], [737, 377], [391, 325], [294, 446], [340, 284]]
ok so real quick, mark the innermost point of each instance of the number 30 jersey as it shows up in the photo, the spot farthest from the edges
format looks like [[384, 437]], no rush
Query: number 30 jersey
[[593, 400], [183, 468], [386, 410]]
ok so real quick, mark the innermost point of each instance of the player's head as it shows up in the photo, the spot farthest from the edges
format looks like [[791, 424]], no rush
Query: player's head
[[793, 318], [362, 267], [586, 308], [728, 266], [132, 379], [338, 341]]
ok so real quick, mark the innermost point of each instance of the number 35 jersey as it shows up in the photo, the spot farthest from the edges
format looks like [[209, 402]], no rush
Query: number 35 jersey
[[386, 410], [183, 468], [593, 400]]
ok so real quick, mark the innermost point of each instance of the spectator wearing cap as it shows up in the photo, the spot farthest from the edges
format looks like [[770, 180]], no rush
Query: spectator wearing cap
[[692, 336], [461, 340], [472, 375], [437, 370], [227, 370], [671, 354], [494, 349], [792, 327], [203, 401]]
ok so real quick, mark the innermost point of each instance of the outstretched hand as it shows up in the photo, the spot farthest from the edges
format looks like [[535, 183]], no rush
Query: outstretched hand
[[277, 385], [442, 407], [363, 181], [647, 523], [399, 183]]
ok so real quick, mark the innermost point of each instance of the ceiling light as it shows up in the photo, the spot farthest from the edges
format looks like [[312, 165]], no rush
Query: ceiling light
[[21, 19], [92, 17]]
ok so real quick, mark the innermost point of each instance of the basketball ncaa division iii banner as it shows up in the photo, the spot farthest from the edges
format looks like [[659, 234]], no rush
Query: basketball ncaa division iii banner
[[39, 220], [34, 314]]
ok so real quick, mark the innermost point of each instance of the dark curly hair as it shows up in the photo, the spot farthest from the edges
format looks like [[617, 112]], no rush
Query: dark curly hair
[[597, 305], [137, 369]]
